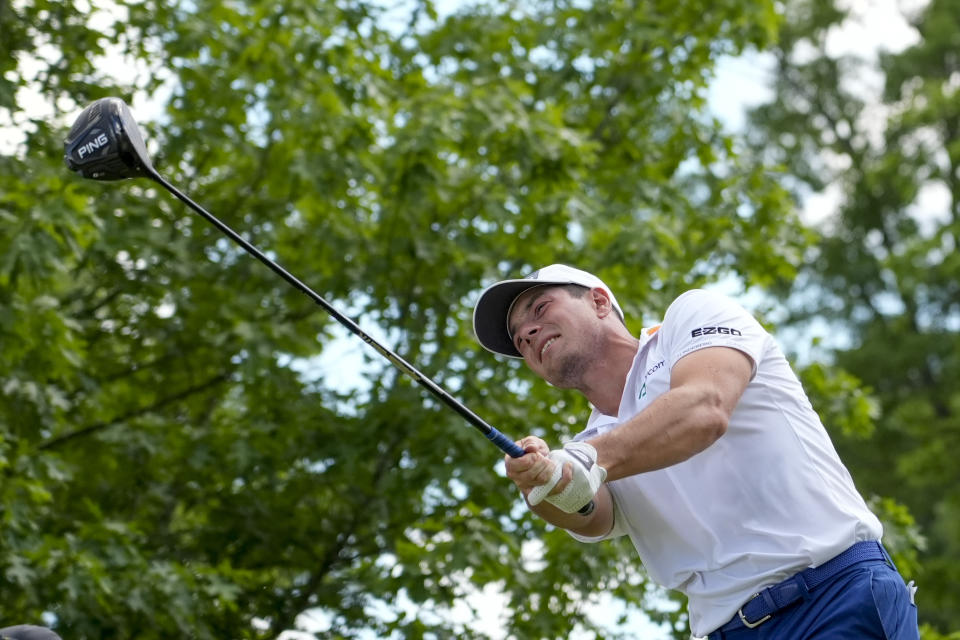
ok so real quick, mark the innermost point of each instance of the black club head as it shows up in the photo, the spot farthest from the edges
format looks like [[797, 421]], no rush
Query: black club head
[[105, 143]]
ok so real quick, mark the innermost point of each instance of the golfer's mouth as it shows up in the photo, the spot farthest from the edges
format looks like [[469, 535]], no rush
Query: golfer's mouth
[[547, 345]]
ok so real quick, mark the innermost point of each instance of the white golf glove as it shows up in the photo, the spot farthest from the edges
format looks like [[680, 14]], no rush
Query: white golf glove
[[587, 478]]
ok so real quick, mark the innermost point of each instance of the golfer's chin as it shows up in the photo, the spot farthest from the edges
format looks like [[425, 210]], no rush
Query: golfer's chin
[[562, 372]]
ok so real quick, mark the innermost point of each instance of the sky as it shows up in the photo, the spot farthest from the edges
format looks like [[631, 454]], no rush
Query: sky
[[740, 83]]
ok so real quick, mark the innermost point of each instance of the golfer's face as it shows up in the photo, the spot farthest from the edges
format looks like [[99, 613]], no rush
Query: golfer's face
[[548, 326]]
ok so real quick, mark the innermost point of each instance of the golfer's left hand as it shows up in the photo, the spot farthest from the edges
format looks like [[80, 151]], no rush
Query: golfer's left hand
[[533, 469], [575, 480]]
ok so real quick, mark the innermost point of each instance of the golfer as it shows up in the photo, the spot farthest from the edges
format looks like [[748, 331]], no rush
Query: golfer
[[702, 448]]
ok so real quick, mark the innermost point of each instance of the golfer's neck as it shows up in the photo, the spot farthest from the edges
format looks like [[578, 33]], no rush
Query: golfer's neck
[[603, 384]]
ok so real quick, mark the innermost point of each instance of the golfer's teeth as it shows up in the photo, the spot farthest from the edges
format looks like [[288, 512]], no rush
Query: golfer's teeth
[[548, 343]]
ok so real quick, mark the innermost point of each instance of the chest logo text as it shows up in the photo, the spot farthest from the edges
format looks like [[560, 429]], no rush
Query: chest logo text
[[709, 331]]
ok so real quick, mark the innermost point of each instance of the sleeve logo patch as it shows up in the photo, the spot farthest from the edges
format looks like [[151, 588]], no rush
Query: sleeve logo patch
[[708, 331]]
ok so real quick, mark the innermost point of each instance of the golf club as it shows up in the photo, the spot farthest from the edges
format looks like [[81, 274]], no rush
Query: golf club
[[105, 144]]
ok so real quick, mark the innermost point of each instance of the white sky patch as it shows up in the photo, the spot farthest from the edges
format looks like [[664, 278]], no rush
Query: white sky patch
[[818, 207], [740, 83], [874, 26], [932, 207]]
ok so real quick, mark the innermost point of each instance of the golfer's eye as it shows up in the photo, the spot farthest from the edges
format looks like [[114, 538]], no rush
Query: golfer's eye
[[539, 309]]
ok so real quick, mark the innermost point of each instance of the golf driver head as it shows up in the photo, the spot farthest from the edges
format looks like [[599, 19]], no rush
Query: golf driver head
[[105, 143]]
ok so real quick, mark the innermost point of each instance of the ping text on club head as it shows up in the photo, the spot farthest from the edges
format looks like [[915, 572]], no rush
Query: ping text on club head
[[93, 145]]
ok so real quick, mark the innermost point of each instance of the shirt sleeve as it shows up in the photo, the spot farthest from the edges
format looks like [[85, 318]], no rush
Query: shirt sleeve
[[699, 319], [616, 530]]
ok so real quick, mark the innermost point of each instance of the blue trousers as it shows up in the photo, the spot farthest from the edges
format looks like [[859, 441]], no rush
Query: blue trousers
[[864, 602]]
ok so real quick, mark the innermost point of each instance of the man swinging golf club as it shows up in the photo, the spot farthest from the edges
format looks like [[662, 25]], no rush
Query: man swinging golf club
[[704, 449]]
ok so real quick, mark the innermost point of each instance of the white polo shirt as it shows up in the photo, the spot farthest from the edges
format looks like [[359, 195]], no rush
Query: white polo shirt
[[767, 499]]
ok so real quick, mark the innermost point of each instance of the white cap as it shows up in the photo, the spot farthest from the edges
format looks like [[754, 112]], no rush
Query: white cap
[[492, 313]]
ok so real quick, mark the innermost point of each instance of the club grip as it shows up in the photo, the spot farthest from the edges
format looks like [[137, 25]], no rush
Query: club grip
[[506, 445]]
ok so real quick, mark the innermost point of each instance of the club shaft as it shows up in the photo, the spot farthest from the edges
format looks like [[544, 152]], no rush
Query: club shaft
[[492, 434]]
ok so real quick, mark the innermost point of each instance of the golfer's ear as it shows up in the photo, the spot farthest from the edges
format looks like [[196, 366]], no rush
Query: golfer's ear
[[601, 301]]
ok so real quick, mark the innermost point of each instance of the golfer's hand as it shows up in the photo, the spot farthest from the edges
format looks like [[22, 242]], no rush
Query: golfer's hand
[[535, 468], [582, 477]]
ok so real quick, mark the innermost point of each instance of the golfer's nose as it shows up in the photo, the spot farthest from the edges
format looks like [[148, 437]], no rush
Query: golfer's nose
[[528, 331]]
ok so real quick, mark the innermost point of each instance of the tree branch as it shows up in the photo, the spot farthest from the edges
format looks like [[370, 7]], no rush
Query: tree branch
[[59, 441]]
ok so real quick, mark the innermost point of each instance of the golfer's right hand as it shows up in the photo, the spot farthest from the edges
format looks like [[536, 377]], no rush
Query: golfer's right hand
[[533, 469]]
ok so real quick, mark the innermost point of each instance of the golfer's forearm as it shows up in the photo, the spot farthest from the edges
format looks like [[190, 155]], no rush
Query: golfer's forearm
[[677, 425], [598, 523]]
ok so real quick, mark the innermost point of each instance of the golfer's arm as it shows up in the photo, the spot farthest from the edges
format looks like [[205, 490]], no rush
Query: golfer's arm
[[596, 524], [705, 387]]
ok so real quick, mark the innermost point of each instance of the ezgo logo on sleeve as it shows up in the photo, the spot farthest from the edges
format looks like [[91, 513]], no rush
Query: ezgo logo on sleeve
[[709, 331]]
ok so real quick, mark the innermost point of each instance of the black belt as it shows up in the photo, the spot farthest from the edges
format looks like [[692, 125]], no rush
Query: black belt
[[764, 604]]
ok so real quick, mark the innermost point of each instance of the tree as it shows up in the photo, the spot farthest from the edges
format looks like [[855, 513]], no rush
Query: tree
[[174, 461], [885, 270]]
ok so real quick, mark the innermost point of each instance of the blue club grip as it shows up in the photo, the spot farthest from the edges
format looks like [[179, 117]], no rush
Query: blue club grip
[[506, 445]]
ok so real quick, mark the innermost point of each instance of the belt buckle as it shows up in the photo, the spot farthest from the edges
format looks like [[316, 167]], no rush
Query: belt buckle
[[747, 623]]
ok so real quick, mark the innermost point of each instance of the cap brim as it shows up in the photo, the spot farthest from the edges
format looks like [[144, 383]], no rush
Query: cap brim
[[490, 314]]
